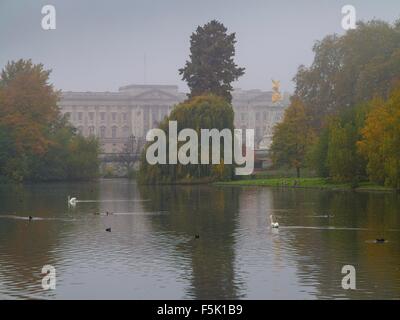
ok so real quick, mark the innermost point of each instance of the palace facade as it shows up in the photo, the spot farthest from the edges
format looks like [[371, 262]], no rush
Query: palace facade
[[118, 117]]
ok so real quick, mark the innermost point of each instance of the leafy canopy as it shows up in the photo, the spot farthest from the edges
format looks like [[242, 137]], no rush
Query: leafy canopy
[[36, 142], [211, 68]]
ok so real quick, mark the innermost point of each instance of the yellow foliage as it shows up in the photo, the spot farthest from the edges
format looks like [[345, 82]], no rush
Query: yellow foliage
[[380, 142]]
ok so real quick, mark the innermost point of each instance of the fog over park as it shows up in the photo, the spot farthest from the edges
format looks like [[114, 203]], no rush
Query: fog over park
[[102, 46]]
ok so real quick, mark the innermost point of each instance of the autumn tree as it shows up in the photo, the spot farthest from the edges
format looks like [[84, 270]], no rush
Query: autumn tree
[[292, 137], [380, 142], [28, 105], [350, 69], [346, 73], [35, 140], [211, 68]]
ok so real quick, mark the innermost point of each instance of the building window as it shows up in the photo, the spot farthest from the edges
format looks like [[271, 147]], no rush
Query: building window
[[154, 115], [80, 115], [80, 130], [68, 115], [102, 116], [243, 116], [114, 116], [114, 132], [102, 132], [257, 116], [91, 116], [125, 131], [91, 131], [264, 116], [125, 116]]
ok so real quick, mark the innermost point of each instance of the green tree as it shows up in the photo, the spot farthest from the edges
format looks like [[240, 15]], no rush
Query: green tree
[[70, 157], [344, 162], [292, 137], [317, 155], [335, 153], [350, 69], [211, 68], [82, 161], [7, 149], [198, 113]]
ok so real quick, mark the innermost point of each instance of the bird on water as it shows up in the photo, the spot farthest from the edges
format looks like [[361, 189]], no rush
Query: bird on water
[[274, 225]]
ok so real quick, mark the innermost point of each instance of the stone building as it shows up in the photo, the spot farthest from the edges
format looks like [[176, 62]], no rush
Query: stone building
[[117, 117], [254, 109]]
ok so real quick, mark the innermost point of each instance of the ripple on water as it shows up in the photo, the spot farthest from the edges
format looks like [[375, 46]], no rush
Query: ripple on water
[[151, 251]]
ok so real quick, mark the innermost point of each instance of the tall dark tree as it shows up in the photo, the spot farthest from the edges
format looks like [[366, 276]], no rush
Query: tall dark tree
[[211, 68]]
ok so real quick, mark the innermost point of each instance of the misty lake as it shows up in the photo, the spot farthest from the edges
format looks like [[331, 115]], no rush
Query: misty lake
[[152, 252]]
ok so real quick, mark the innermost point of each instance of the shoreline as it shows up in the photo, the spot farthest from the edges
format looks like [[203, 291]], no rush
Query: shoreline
[[284, 183], [307, 183]]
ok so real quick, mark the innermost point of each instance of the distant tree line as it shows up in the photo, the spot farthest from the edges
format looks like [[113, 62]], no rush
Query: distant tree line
[[344, 116], [36, 141]]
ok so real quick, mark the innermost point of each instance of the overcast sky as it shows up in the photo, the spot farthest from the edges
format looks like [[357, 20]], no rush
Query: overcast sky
[[100, 45]]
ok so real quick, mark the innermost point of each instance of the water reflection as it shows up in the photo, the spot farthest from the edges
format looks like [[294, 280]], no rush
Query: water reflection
[[212, 214], [152, 251]]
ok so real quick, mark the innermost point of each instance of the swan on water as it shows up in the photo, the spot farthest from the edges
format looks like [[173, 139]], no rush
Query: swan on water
[[72, 201], [273, 224]]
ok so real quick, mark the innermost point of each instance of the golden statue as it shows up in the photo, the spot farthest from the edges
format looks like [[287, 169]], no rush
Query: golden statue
[[276, 94]]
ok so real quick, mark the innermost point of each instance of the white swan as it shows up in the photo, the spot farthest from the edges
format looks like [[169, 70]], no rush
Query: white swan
[[274, 225], [71, 201]]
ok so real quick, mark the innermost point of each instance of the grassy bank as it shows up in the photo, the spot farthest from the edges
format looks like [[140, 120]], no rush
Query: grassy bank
[[317, 183]]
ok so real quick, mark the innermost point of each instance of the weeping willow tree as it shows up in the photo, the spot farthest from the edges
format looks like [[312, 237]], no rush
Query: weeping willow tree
[[200, 112]]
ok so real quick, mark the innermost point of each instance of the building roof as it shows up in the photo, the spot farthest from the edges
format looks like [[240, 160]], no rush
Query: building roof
[[170, 93]]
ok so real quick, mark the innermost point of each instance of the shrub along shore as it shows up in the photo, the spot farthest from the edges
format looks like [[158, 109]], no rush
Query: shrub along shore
[[314, 183]]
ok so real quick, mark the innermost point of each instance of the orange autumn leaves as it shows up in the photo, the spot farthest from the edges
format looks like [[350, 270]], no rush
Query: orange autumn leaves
[[28, 106], [36, 142], [293, 136], [357, 144]]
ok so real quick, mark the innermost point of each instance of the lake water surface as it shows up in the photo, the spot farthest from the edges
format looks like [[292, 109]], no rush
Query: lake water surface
[[152, 253]]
